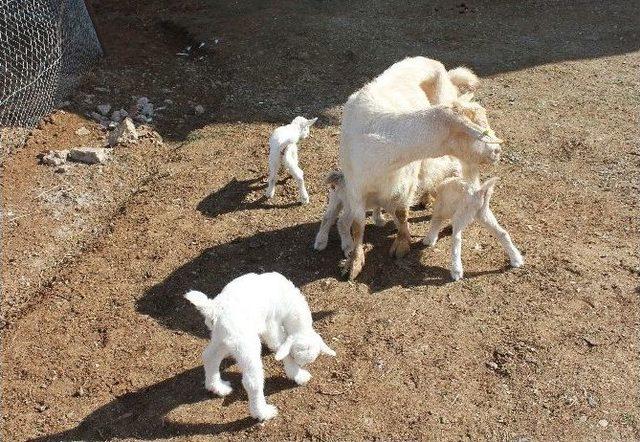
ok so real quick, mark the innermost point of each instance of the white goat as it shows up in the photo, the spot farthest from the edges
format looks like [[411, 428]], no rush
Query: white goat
[[388, 127], [251, 309], [283, 145], [463, 202], [433, 172]]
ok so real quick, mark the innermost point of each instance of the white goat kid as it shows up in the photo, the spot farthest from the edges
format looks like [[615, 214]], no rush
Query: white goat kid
[[464, 202], [251, 309], [388, 127], [283, 146]]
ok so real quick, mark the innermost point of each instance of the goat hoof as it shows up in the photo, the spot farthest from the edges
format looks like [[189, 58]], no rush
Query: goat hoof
[[399, 248], [302, 377], [352, 266], [456, 275], [265, 413], [429, 242], [222, 388], [320, 244], [379, 221], [517, 262]]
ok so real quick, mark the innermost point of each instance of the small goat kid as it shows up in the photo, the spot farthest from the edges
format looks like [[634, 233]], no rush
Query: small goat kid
[[464, 202], [250, 309], [283, 146]]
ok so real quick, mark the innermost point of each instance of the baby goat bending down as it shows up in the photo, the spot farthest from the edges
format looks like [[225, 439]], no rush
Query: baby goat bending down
[[463, 202], [251, 309], [284, 143]]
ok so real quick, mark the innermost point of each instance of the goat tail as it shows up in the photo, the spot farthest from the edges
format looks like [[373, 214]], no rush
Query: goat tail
[[335, 179], [464, 78], [201, 301], [486, 190]]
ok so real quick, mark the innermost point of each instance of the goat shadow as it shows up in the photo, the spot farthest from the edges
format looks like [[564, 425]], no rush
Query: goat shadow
[[288, 251], [233, 197], [142, 414]]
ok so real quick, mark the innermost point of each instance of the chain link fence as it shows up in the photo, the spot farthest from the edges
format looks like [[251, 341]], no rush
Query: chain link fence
[[45, 45]]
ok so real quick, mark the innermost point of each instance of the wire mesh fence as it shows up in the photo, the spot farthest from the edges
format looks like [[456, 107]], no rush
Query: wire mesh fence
[[45, 45]]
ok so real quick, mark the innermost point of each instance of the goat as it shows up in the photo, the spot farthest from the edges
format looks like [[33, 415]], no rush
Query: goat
[[250, 309], [388, 127], [463, 202], [283, 145]]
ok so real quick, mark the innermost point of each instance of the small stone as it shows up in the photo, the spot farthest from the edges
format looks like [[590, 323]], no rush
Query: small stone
[[477, 247], [168, 101], [88, 155], [103, 109], [603, 423], [55, 157], [199, 109], [82, 131], [492, 365], [142, 101], [119, 115], [125, 132], [592, 401], [303, 55], [62, 169], [41, 407], [96, 116], [147, 110], [81, 392]]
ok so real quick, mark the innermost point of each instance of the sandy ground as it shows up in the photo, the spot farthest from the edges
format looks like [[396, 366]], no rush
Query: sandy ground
[[98, 344]]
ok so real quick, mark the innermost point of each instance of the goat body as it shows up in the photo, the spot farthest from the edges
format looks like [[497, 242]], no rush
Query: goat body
[[283, 146], [463, 202], [252, 309]]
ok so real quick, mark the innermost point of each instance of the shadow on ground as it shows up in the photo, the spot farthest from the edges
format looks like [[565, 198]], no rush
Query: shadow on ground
[[232, 197], [142, 415], [268, 61]]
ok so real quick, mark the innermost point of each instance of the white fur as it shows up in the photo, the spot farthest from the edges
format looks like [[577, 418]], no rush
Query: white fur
[[388, 127], [464, 201], [283, 145], [252, 309]]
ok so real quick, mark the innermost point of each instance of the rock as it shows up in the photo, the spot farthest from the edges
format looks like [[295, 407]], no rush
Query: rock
[[96, 116], [55, 157], [82, 131], [62, 169], [199, 109], [80, 393], [88, 155], [147, 110], [103, 109], [168, 101], [592, 401], [142, 101], [125, 132], [119, 115], [603, 423], [492, 365], [303, 55], [41, 407]]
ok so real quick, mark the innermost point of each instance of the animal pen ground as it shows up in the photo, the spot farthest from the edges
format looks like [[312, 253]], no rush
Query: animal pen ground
[[98, 343]]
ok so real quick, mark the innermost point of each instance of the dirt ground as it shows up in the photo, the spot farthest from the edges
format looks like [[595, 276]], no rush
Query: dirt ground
[[97, 343]]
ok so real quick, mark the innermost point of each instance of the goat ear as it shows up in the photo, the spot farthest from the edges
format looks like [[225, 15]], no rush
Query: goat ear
[[312, 121], [284, 349], [324, 348]]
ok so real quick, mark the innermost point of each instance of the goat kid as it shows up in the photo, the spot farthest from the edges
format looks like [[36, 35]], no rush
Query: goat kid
[[283, 146], [252, 309], [464, 202]]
